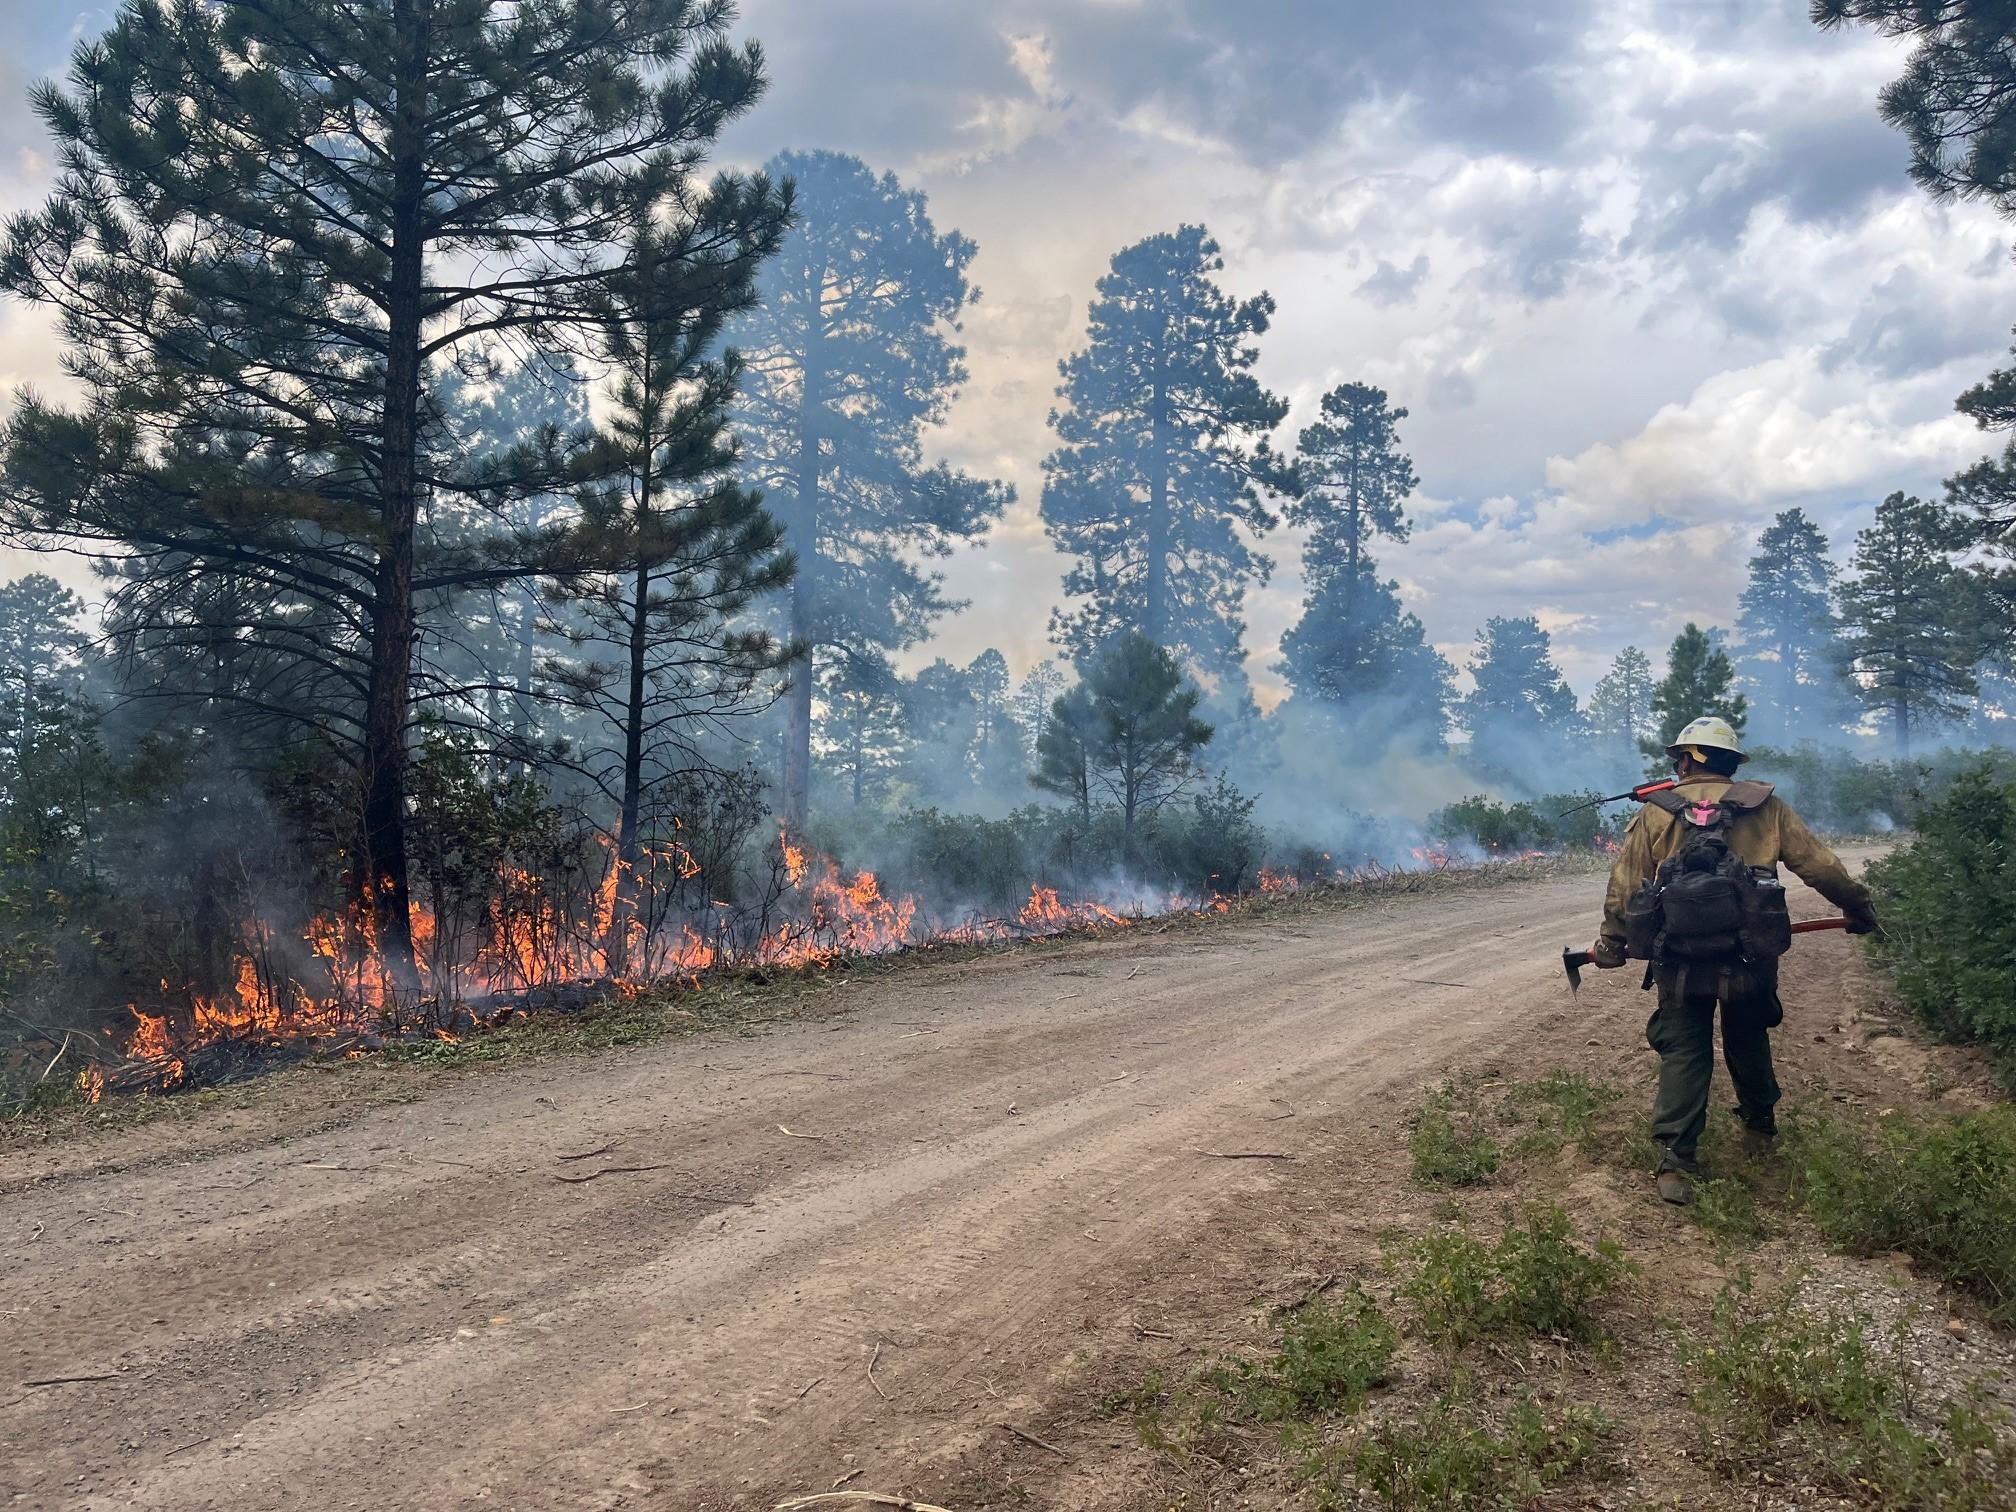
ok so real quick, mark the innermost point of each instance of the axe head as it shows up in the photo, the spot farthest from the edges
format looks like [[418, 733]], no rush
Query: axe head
[[1572, 962]]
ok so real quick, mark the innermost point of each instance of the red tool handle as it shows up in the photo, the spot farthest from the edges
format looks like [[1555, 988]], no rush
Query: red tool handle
[[1810, 925]]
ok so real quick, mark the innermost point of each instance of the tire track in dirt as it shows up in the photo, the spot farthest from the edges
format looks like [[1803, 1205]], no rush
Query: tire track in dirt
[[408, 1310]]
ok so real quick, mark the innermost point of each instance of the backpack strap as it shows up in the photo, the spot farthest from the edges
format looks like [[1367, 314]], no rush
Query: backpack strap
[[1747, 795], [1671, 800]]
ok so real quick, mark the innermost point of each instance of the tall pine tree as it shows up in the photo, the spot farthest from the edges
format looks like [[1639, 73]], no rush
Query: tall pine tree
[[273, 219], [850, 358], [1163, 457], [1791, 643], [1912, 618], [681, 548], [1620, 708], [1354, 641], [1700, 680], [1521, 713]]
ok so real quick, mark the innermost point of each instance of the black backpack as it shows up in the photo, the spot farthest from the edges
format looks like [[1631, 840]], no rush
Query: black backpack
[[1705, 903]]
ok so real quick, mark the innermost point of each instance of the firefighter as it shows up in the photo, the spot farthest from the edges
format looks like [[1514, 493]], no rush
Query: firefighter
[[1761, 830]]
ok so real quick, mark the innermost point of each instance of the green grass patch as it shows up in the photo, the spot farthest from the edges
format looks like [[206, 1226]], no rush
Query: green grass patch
[[1331, 1354], [1456, 1457], [1450, 1144], [1560, 1109], [1537, 1280], [1781, 1386], [1942, 1188]]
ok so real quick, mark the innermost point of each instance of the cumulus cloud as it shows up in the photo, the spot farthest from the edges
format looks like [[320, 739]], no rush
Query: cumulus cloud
[[1642, 274]]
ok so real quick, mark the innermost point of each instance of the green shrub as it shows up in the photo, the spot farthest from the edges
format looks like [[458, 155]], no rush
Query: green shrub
[[1727, 1208], [1779, 1379], [1537, 1280], [1454, 1457], [1950, 927], [1941, 1188], [1332, 1354], [1446, 1154], [1562, 1107], [1529, 824]]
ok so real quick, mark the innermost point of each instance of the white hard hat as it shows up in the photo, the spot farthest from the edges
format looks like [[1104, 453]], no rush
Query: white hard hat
[[1711, 732]]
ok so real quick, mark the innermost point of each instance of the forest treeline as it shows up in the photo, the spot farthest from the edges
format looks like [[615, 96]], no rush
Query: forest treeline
[[500, 514]]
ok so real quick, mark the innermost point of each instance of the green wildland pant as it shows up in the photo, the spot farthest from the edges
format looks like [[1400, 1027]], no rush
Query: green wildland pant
[[1682, 1030]]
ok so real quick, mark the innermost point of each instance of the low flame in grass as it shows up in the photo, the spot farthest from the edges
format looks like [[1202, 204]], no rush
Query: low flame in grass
[[331, 986]]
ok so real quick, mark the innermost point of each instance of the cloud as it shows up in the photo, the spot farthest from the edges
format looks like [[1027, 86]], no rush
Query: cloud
[[1642, 274], [1389, 285]]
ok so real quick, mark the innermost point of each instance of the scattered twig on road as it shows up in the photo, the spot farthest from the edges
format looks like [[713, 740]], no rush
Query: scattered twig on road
[[1030, 1438], [789, 1135], [638, 1408], [1316, 1289], [807, 1391], [355, 1169], [1116, 1080], [1277, 1117], [608, 1171], [1433, 982], [1131, 975], [190, 1445], [110, 1375], [850, 1475], [444, 1160], [601, 1149], [824, 1075], [859, 1498], [1245, 1155], [871, 1371], [39, 1227], [1152, 1333]]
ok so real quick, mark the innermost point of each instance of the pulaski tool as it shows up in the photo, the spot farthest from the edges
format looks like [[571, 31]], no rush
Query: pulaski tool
[[1572, 960], [1575, 960]]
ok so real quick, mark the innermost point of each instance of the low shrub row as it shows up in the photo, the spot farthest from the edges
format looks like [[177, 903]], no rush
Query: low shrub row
[[1945, 898]]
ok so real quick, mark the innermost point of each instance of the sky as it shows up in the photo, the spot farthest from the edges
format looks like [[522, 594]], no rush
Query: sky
[[1643, 275]]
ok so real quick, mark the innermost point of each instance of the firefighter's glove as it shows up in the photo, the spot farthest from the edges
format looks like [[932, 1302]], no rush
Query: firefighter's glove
[[1863, 921], [1607, 953]]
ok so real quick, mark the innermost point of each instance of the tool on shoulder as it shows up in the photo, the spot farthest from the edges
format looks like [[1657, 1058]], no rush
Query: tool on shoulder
[[1572, 960], [1638, 794]]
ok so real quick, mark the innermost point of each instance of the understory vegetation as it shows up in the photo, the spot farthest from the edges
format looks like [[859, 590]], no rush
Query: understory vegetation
[[1949, 927], [1478, 1365]]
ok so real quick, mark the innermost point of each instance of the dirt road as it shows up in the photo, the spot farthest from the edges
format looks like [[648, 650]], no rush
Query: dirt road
[[414, 1310]]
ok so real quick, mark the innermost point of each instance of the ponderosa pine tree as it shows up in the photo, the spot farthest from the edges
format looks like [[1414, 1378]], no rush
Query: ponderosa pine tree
[[865, 738], [1340, 658], [849, 359], [1787, 624], [1163, 457], [1521, 712], [1955, 102], [1700, 680], [1129, 729], [682, 549], [1620, 707], [1911, 617], [998, 764], [1353, 481], [273, 219], [1037, 692], [42, 649]]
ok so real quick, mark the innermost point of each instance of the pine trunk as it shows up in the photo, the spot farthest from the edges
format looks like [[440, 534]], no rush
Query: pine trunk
[[804, 538], [1155, 617], [379, 874]]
